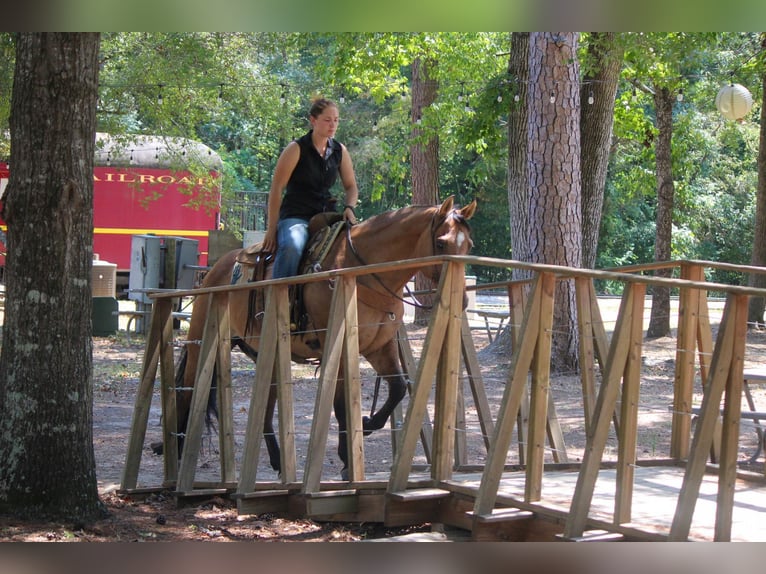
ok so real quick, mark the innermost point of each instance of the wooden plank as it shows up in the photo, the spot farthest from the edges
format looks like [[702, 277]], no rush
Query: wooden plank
[[727, 475], [461, 442], [410, 367], [262, 501], [688, 308], [539, 394], [478, 390], [445, 406], [595, 536], [168, 393], [283, 379], [203, 379], [264, 369], [587, 352], [416, 408], [328, 376], [225, 402], [628, 431], [353, 383], [509, 406], [331, 502], [143, 402], [598, 430], [419, 494], [706, 424]]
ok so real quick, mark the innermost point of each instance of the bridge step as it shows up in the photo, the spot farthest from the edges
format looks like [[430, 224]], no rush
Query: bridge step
[[262, 501], [594, 536], [331, 502]]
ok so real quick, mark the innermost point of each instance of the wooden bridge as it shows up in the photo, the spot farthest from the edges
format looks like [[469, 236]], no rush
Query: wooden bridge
[[609, 494]]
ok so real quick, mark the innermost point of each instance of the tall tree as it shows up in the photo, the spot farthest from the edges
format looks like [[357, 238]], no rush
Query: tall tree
[[664, 98], [424, 154], [602, 65], [758, 258], [46, 401], [553, 167], [518, 181]]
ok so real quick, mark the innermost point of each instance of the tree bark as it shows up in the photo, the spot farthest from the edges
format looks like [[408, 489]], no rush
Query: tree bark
[[46, 443], [596, 121], [425, 164], [757, 304], [518, 181], [553, 167], [659, 320]]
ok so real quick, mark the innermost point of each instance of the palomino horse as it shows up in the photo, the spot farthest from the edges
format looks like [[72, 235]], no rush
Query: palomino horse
[[406, 233]]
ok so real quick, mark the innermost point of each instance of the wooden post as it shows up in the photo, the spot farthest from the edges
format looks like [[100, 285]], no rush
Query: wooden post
[[264, 369], [168, 391], [331, 357], [445, 408], [541, 382], [161, 316], [225, 402], [521, 361], [598, 430], [352, 382], [283, 379], [726, 364], [628, 428], [683, 386], [416, 408], [217, 302]]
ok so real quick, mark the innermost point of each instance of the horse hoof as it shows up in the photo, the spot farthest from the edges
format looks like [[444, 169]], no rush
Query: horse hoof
[[367, 426], [344, 474], [158, 448]]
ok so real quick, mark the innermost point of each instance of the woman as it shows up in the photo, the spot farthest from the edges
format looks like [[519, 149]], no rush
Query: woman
[[307, 168]]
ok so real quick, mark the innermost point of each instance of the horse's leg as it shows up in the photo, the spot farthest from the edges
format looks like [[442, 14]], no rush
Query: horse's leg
[[386, 363], [269, 436], [339, 404]]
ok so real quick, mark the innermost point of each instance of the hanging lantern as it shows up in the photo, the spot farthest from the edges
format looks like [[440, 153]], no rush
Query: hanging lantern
[[734, 102]]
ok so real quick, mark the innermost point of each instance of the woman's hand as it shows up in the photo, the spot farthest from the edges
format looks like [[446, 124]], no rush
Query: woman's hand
[[349, 215], [269, 244]]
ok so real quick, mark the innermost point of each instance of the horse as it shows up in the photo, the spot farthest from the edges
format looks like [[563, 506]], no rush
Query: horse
[[406, 233]]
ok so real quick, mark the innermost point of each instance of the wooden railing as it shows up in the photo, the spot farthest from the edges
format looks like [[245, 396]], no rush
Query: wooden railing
[[615, 361]]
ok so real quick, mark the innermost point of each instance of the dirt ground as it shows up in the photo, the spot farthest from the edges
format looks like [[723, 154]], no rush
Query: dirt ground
[[158, 517]]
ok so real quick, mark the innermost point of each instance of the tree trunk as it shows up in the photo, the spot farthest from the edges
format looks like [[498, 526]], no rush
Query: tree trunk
[[518, 181], [596, 120], [425, 163], [553, 165], [756, 305], [659, 321], [46, 443]]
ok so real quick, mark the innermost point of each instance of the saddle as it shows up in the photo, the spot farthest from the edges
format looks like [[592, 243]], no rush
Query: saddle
[[252, 264]]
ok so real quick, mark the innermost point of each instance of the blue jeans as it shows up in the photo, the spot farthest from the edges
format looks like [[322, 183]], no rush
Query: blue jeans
[[292, 236]]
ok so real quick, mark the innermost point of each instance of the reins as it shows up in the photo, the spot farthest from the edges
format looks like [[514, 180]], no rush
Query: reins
[[375, 276]]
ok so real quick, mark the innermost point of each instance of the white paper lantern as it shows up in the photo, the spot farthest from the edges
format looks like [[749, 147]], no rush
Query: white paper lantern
[[734, 102]]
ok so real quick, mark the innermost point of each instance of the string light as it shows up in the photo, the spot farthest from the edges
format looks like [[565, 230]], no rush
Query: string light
[[590, 98], [342, 98], [553, 98], [160, 99], [220, 93], [680, 96]]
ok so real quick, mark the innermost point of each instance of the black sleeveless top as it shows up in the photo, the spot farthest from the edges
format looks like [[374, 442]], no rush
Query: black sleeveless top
[[308, 190]]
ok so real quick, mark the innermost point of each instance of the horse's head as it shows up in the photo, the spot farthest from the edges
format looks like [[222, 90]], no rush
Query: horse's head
[[451, 230]]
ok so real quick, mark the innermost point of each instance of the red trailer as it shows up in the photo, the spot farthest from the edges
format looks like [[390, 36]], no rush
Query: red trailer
[[148, 185]]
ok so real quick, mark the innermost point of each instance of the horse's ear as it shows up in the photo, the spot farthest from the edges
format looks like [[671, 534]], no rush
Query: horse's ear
[[468, 211], [446, 206]]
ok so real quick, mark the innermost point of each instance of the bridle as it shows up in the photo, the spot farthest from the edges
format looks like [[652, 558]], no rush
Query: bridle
[[414, 302]]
